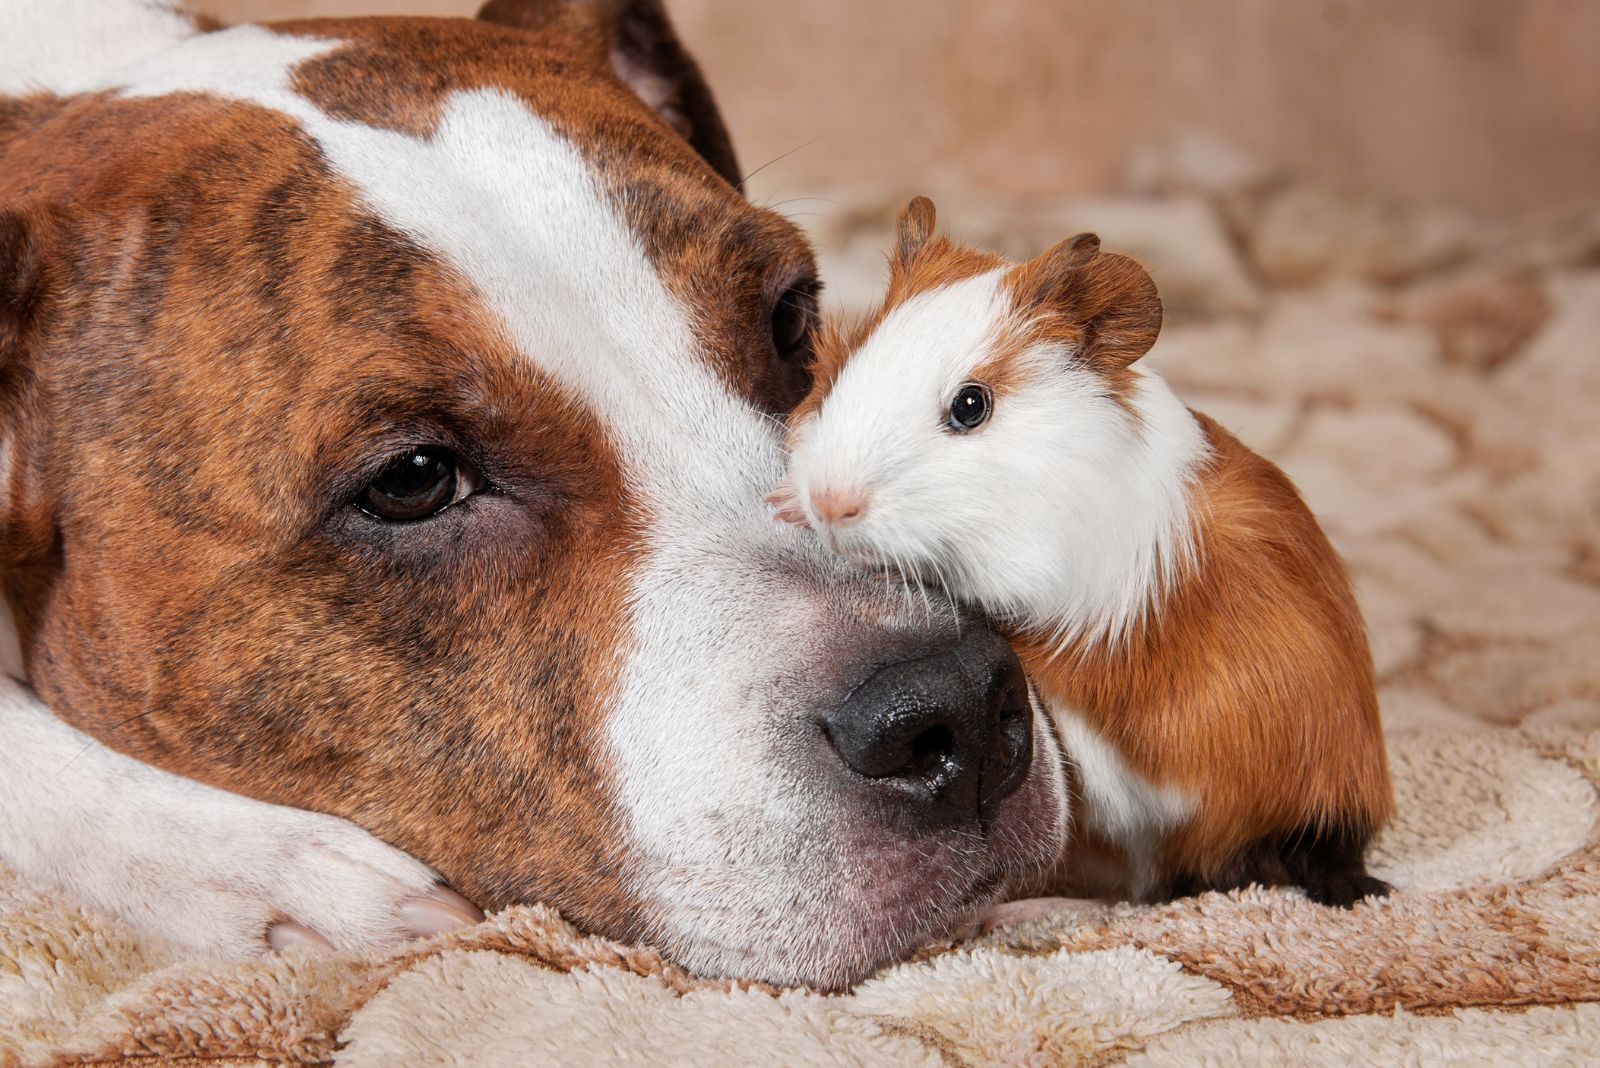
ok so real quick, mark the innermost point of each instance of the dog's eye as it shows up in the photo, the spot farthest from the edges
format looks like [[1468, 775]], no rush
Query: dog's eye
[[416, 485], [970, 407], [792, 319]]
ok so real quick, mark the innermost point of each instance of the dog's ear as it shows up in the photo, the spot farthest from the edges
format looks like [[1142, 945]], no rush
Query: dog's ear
[[1110, 300], [30, 270], [644, 51]]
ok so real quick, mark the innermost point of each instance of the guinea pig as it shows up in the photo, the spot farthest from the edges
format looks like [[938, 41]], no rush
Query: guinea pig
[[989, 432]]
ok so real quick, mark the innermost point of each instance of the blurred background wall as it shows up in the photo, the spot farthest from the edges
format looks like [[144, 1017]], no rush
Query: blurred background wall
[[1487, 106]]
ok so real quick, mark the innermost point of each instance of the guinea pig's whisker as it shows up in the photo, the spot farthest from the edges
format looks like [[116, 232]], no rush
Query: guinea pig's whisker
[[944, 584], [905, 577], [927, 602]]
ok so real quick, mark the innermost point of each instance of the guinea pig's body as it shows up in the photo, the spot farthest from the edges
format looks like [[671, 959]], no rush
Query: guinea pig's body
[[1232, 736], [1172, 598]]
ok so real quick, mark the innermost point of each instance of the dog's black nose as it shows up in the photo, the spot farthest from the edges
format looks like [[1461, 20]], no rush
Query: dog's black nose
[[949, 731]]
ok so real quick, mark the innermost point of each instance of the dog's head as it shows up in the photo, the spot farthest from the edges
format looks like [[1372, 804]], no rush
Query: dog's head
[[385, 411]]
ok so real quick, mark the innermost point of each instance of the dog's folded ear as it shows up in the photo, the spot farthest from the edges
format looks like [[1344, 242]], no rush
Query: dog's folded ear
[[644, 51], [30, 269]]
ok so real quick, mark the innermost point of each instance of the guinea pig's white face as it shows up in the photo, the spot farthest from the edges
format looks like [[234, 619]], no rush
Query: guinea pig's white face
[[1010, 474]]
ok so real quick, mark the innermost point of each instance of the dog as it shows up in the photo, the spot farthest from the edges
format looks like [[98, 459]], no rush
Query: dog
[[385, 411]]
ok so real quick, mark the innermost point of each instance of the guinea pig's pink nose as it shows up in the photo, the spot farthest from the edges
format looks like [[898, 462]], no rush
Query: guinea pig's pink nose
[[838, 506]]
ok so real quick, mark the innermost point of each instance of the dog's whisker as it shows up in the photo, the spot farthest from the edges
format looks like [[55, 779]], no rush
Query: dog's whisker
[[776, 159], [100, 739]]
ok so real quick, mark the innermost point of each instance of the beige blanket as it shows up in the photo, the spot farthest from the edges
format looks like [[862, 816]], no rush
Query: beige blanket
[[1432, 387]]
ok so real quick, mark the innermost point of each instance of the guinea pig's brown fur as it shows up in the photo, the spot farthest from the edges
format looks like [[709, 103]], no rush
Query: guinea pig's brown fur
[[1250, 690]]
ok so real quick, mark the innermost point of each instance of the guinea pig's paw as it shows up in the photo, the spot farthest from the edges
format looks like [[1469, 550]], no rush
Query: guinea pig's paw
[[1344, 889], [785, 505]]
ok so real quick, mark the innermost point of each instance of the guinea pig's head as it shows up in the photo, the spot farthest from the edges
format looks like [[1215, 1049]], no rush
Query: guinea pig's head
[[986, 430]]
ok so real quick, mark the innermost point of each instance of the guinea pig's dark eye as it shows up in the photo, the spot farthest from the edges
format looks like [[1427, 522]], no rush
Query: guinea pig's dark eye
[[792, 319], [970, 407], [416, 485]]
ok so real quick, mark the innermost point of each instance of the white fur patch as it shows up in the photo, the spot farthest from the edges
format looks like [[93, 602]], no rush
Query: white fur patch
[[74, 46], [244, 63], [1062, 512], [1118, 804], [10, 652], [889, 401]]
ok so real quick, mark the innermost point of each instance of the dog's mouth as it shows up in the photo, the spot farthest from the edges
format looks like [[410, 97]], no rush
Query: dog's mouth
[[969, 918], [952, 924], [939, 927], [834, 954], [847, 898]]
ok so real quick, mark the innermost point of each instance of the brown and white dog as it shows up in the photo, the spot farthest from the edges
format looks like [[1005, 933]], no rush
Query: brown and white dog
[[385, 411]]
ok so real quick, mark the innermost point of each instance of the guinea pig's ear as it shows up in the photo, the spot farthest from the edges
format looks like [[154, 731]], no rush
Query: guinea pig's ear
[[913, 229], [29, 277], [1110, 300], [637, 41]]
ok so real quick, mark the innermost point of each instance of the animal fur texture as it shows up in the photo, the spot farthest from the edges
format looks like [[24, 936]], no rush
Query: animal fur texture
[[1176, 604]]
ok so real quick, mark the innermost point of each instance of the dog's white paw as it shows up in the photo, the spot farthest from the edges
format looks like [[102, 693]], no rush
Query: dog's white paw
[[203, 867], [284, 877]]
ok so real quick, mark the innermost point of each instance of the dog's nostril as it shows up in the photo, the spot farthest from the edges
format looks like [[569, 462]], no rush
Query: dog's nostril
[[1013, 749], [930, 751]]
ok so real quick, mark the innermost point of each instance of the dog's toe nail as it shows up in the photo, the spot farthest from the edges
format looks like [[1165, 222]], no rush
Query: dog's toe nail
[[442, 910], [280, 936], [446, 896]]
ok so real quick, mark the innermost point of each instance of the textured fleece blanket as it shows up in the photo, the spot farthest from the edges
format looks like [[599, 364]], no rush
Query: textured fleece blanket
[[1488, 955], [1430, 384]]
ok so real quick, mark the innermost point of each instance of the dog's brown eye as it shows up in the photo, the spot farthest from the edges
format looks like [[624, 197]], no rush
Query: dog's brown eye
[[792, 319], [415, 486]]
